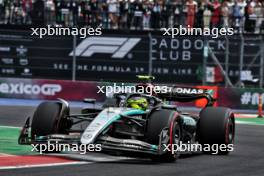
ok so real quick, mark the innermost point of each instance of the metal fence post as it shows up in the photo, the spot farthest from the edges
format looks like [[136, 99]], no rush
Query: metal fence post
[[150, 55], [205, 58], [241, 59], [261, 63], [226, 59], [74, 59]]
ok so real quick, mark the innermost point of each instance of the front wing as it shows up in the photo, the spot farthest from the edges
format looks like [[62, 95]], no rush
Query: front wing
[[108, 143]]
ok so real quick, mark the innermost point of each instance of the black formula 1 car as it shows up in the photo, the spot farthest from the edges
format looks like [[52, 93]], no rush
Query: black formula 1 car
[[120, 129]]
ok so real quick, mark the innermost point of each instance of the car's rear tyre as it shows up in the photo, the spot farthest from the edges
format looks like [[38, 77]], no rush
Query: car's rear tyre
[[159, 120], [216, 127]]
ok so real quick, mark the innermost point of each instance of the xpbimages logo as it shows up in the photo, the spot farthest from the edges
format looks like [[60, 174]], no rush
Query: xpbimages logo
[[110, 90], [183, 31], [65, 31], [29, 89]]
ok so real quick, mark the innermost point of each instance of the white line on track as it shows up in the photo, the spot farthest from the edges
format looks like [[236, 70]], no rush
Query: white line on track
[[2, 126], [92, 157], [246, 115], [44, 165], [5, 155], [248, 123]]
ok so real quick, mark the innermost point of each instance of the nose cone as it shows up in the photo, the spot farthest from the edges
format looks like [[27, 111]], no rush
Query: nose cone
[[99, 124]]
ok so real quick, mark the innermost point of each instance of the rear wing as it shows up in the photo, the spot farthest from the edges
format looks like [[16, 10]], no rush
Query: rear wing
[[187, 94]]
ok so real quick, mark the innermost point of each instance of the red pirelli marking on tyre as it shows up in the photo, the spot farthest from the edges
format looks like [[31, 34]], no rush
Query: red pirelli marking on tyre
[[171, 128]]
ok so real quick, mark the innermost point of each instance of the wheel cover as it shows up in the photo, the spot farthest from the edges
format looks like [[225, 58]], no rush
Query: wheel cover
[[230, 131]]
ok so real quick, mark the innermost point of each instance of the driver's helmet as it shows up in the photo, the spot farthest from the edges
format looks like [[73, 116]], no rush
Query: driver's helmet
[[137, 103]]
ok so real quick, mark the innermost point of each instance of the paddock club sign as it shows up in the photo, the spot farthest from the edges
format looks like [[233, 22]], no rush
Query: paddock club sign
[[121, 57], [112, 56], [182, 49]]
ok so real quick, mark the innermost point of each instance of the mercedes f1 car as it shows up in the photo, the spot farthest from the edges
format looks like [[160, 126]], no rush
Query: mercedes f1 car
[[138, 125]]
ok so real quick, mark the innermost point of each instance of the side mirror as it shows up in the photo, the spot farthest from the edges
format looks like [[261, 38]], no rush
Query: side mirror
[[89, 100]]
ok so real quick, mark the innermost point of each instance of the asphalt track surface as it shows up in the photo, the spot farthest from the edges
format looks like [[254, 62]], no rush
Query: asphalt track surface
[[246, 160]]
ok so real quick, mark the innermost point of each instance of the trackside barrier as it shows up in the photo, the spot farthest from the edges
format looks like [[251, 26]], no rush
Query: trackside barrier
[[43, 89]]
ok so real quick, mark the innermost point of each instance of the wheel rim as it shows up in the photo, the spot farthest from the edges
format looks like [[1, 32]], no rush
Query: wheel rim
[[177, 133], [230, 131]]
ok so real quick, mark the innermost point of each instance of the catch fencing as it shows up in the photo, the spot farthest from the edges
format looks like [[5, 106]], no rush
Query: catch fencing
[[229, 61]]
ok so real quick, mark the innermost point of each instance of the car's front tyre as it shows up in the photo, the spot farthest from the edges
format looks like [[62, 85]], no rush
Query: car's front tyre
[[158, 121]]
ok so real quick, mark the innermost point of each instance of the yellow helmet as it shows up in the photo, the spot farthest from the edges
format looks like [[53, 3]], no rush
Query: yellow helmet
[[137, 103]]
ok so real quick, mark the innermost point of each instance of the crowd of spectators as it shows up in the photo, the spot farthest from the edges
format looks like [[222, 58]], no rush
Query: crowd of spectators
[[244, 15]]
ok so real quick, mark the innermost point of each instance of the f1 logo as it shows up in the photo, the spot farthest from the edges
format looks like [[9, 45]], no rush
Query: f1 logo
[[118, 46]]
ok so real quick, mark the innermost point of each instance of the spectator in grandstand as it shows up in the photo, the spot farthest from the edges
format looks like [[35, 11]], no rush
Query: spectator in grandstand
[[191, 11], [123, 17], [155, 15], [18, 13], [65, 12], [83, 13], [137, 8], [242, 4], [215, 20], [146, 14], [247, 20], [250, 17], [50, 12], [58, 16], [230, 4], [258, 10], [6, 11], [38, 12], [74, 8], [2, 11], [93, 17], [225, 13], [199, 15], [175, 13], [170, 12], [165, 13], [184, 14], [103, 14], [27, 8], [113, 13], [11, 9], [207, 14], [138, 14], [262, 23], [237, 16]]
